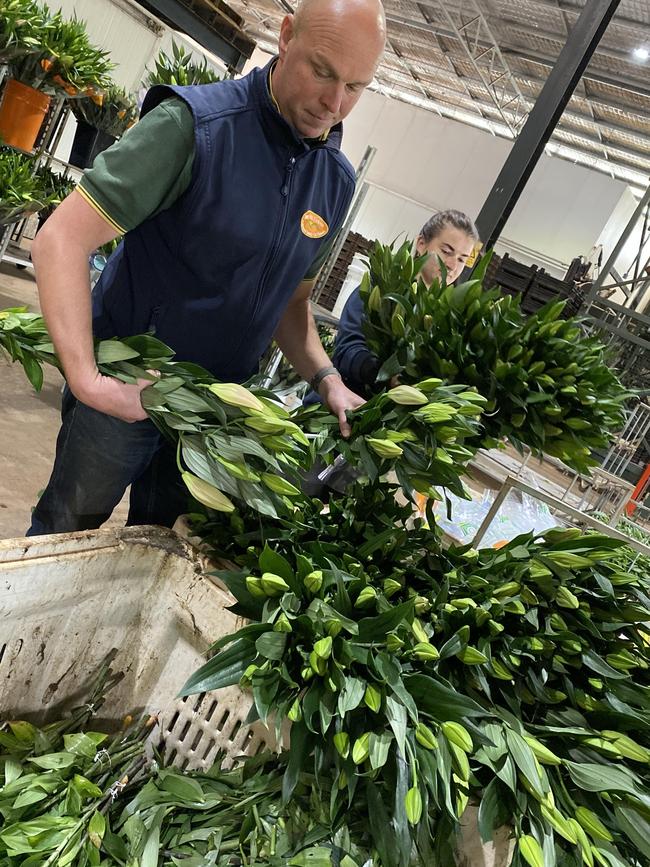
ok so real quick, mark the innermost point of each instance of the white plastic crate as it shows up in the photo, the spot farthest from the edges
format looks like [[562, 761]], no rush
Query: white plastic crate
[[67, 600]]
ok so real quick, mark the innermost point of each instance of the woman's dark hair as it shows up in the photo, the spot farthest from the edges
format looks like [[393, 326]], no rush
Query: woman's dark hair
[[435, 224]]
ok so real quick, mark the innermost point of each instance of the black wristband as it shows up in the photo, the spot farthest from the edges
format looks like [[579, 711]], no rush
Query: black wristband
[[320, 375]]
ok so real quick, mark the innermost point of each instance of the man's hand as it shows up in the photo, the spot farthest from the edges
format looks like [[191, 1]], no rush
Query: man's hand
[[112, 397], [339, 398]]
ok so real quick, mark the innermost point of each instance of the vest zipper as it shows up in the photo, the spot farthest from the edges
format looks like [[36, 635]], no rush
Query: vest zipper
[[285, 189], [287, 177]]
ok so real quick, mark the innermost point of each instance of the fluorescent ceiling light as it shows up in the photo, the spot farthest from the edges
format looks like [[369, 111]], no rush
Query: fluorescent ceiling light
[[641, 53]]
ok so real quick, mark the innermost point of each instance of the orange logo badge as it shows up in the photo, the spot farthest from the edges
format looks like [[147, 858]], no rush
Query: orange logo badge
[[313, 226]]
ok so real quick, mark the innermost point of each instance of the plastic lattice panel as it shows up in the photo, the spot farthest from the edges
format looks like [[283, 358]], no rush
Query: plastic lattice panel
[[204, 725]]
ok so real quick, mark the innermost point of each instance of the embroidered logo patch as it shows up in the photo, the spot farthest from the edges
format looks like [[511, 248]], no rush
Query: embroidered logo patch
[[313, 226]]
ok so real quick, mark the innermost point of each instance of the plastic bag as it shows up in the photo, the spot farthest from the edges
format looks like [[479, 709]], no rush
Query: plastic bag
[[519, 513]]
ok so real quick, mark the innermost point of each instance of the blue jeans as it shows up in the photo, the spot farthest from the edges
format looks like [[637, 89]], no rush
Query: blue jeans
[[97, 458]]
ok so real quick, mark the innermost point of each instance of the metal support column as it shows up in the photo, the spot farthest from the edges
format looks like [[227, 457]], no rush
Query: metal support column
[[542, 120], [608, 267], [5, 236]]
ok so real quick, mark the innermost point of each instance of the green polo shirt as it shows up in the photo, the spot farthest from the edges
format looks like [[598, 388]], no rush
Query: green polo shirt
[[148, 169]]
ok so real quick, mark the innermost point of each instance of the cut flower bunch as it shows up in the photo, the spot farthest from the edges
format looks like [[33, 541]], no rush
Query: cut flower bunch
[[242, 443], [547, 385]]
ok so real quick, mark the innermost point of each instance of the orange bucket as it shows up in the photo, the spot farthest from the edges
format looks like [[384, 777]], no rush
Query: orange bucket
[[21, 114]]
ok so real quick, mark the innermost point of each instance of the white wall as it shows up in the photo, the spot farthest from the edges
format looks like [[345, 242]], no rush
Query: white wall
[[613, 229], [625, 261], [425, 163], [257, 58]]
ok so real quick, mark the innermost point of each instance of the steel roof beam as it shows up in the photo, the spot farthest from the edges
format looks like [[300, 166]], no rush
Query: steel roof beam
[[605, 103], [620, 150], [404, 64], [618, 20], [574, 114], [473, 32], [596, 100], [542, 120], [568, 113], [613, 53], [183, 18], [524, 54], [588, 75], [461, 78]]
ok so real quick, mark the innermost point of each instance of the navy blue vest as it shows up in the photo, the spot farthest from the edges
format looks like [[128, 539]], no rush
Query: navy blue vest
[[212, 275]]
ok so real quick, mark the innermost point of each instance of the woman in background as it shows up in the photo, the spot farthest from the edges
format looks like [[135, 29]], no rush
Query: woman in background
[[448, 237]]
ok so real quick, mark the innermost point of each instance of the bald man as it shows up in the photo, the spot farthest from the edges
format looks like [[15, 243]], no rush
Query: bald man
[[227, 196]]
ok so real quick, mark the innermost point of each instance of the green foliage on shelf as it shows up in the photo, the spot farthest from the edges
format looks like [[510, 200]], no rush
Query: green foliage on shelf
[[49, 52], [179, 69]]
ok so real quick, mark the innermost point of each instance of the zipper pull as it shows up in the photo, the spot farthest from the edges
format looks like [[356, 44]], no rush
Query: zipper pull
[[287, 177]]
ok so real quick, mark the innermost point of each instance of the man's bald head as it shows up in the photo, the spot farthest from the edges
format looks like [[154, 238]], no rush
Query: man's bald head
[[364, 13], [329, 51]]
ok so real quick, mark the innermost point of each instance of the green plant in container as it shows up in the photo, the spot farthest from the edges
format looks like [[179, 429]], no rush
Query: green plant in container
[[63, 59], [46, 54], [116, 112], [22, 192], [23, 27], [179, 69]]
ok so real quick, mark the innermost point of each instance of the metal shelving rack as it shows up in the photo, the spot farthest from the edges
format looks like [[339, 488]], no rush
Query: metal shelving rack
[[562, 509], [49, 138]]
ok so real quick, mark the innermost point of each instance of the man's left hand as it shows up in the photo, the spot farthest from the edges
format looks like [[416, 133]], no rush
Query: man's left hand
[[339, 398]]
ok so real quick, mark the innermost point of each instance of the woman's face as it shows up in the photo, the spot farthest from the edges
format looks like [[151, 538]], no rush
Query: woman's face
[[452, 246]]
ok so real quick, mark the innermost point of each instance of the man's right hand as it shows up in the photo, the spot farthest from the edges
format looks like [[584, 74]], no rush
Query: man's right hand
[[112, 397], [60, 254]]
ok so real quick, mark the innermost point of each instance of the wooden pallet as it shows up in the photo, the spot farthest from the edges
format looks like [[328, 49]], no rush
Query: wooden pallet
[[535, 287]]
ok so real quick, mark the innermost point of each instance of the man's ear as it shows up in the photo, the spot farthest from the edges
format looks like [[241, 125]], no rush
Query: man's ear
[[286, 35]]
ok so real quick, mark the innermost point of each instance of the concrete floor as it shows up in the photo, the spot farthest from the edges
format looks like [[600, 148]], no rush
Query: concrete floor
[[29, 422]]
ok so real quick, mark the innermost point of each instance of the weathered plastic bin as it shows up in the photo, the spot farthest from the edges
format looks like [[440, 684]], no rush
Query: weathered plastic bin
[[67, 600]]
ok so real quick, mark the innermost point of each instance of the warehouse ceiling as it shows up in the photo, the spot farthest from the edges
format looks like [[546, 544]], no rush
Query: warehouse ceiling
[[484, 62]]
